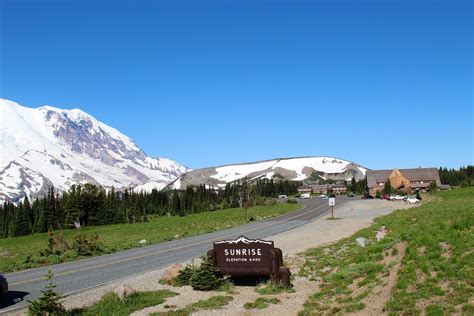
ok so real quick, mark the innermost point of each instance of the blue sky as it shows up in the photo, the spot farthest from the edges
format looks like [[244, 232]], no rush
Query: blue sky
[[382, 83]]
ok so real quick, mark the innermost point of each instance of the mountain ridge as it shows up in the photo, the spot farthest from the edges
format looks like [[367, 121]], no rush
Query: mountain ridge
[[288, 168], [64, 147]]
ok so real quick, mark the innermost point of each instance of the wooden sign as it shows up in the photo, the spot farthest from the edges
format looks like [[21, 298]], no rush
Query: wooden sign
[[249, 257], [243, 252]]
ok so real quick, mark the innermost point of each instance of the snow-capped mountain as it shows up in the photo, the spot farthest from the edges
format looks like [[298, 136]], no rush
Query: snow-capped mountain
[[297, 169], [50, 146]]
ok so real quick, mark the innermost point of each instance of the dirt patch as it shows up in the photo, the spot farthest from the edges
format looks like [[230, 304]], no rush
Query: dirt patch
[[289, 303], [422, 251], [381, 293], [446, 249], [420, 276], [186, 296]]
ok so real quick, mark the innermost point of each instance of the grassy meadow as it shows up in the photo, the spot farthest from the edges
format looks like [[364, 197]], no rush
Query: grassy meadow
[[14, 251], [424, 265]]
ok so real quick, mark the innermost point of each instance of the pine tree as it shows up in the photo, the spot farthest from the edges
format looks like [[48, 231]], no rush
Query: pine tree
[[353, 185], [22, 221], [387, 188], [433, 187], [49, 304]]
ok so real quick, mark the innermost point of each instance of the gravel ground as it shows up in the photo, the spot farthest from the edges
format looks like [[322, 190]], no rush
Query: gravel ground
[[353, 215]]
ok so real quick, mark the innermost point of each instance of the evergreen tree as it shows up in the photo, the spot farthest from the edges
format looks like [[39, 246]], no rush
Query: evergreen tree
[[387, 188], [22, 221], [49, 304], [84, 205], [353, 185], [433, 187]]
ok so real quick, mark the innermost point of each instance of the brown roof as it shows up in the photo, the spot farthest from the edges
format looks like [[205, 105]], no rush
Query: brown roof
[[420, 185], [375, 176], [421, 174], [319, 187], [415, 174]]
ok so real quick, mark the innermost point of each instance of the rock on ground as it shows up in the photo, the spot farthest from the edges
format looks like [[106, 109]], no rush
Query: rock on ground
[[172, 272]]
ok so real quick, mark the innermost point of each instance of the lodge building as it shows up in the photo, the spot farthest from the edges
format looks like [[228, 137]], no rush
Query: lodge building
[[323, 188], [407, 180]]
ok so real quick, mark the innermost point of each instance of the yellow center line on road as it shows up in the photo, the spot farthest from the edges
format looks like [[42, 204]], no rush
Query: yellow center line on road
[[158, 252]]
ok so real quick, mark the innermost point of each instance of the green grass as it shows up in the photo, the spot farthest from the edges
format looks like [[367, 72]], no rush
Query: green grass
[[111, 305], [261, 303], [430, 272], [13, 251], [227, 287], [215, 302], [270, 288]]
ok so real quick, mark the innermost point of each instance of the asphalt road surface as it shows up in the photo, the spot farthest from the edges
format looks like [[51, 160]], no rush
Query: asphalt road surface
[[78, 276]]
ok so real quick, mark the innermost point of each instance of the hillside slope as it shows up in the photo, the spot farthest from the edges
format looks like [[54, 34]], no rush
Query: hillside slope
[[297, 169]]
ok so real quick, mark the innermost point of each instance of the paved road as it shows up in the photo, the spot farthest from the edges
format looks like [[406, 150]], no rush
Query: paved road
[[77, 276]]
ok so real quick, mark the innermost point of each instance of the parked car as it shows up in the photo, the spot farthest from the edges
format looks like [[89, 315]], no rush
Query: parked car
[[367, 196], [282, 196], [323, 196], [3, 285], [305, 196], [351, 195], [385, 197], [396, 197], [412, 200]]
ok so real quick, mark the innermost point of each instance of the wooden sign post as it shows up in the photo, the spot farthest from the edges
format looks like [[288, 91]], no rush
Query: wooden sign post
[[249, 257]]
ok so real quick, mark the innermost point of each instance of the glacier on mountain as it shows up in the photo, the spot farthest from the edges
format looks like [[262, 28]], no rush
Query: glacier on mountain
[[50, 146]]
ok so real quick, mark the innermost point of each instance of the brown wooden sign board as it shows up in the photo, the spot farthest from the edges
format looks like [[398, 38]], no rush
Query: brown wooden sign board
[[249, 257]]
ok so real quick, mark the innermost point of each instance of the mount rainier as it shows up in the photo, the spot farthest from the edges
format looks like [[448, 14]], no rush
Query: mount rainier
[[48, 146]]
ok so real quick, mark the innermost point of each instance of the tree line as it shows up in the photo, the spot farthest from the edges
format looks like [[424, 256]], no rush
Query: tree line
[[463, 176], [91, 205], [357, 187]]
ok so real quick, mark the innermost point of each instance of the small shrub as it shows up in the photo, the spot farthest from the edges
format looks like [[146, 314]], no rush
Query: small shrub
[[184, 276], [55, 244], [84, 245], [291, 201], [206, 277], [202, 278]]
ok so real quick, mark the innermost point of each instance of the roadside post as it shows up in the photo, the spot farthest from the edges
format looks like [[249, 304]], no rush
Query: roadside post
[[246, 209], [332, 202]]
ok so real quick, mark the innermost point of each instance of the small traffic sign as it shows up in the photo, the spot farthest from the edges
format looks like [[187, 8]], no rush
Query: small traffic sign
[[332, 201]]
